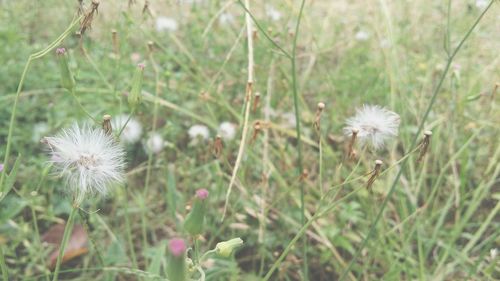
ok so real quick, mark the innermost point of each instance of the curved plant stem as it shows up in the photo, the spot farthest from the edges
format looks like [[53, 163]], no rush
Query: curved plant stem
[[31, 58], [67, 233], [413, 143], [81, 106]]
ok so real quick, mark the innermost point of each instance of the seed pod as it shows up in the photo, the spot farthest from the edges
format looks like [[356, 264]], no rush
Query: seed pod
[[374, 174], [176, 260], [106, 124], [351, 152], [196, 218], [226, 248], [67, 80], [424, 145], [135, 95]]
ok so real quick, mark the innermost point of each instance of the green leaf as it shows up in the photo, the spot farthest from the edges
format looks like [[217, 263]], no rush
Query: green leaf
[[11, 179], [157, 259]]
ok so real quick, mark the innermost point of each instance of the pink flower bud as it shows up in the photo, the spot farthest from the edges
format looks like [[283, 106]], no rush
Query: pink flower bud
[[202, 193], [177, 247], [141, 65]]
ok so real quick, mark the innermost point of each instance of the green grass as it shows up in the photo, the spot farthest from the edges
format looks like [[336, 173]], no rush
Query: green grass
[[433, 220]]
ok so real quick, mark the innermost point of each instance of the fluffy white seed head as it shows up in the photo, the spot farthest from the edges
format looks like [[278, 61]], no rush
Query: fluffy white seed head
[[166, 24], [132, 131], [375, 124], [88, 159], [227, 130], [154, 143], [199, 131]]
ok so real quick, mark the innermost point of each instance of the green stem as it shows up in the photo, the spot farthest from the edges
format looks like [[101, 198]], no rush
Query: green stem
[[303, 230], [412, 146], [31, 58], [297, 128], [67, 233], [81, 106]]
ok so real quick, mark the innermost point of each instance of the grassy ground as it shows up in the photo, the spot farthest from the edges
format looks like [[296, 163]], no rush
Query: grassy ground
[[432, 220]]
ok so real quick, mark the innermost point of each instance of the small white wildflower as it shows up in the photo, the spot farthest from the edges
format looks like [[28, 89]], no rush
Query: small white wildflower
[[199, 131], [88, 159], [362, 35], [375, 125], [166, 24], [273, 13], [154, 144], [131, 133], [482, 4], [227, 130], [226, 18], [40, 129]]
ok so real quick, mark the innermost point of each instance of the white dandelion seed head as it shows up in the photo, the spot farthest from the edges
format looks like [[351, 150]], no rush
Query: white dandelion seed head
[[482, 4], [227, 130], [154, 144], [166, 24], [362, 35], [273, 13], [199, 131], [132, 131], [375, 124], [88, 159]]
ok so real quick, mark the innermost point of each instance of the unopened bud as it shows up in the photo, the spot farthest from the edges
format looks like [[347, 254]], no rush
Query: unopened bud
[[176, 260], [226, 248], [135, 95], [196, 218], [67, 80]]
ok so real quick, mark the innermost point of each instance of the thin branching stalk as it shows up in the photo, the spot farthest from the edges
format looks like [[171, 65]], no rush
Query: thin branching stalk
[[248, 103], [413, 143]]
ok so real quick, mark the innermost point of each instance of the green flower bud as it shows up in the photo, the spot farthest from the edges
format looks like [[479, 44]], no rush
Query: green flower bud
[[176, 260], [196, 218], [135, 95], [226, 248], [67, 80]]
